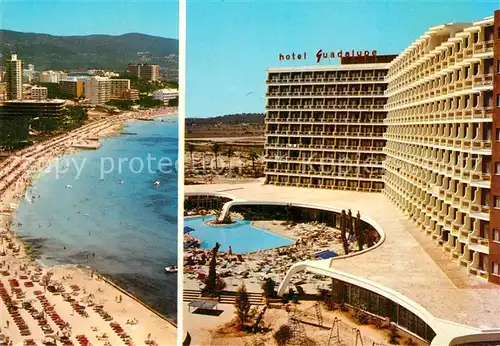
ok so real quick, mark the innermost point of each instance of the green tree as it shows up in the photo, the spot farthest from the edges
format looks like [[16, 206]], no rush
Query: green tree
[[268, 288], [173, 102], [149, 102], [254, 156], [213, 283], [229, 153], [121, 104], [216, 150], [343, 226], [190, 148], [359, 232], [242, 305], [14, 132]]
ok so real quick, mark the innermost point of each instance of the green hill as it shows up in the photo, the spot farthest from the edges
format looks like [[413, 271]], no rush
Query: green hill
[[87, 52]]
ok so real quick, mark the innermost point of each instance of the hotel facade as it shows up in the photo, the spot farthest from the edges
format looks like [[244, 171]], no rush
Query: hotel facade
[[422, 127]]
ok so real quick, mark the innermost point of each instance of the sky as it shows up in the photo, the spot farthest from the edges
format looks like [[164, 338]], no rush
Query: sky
[[231, 44], [62, 17]]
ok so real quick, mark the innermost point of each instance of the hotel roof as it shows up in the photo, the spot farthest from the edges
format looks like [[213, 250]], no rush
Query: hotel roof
[[338, 67]]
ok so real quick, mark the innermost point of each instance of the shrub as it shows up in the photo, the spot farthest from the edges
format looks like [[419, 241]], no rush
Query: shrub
[[377, 323], [410, 342], [283, 335], [394, 336], [329, 302], [268, 288], [242, 305], [362, 317]]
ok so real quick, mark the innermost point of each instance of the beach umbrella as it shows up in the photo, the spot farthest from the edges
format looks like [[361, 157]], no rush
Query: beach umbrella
[[188, 229]]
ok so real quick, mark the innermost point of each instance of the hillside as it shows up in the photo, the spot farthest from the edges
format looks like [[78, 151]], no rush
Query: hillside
[[92, 51], [229, 119]]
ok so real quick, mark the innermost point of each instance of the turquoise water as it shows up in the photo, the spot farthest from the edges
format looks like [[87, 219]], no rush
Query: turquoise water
[[241, 236], [121, 218]]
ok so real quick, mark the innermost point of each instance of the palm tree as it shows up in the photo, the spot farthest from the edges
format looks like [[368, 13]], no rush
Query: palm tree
[[359, 232], [216, 150], [343, 224], [229, 154], [190, 148], [253, 156]]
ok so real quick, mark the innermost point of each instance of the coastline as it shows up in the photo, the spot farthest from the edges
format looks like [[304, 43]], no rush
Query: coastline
[[16, 175]]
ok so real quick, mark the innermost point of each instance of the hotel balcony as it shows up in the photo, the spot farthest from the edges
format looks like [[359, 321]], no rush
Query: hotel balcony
[[477, 268], [465, 260]]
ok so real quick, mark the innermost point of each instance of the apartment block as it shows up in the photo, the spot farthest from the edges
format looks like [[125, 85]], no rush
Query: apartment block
[[3, 91], [325, 125], [39, 93], [14, 78], [29, 74], [131, 94], [98, 90], [119, 87], [52, 76], [165, 95], [145, 71], [73, 86]]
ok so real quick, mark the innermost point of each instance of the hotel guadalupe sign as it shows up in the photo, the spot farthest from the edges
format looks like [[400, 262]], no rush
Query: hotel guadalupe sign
[[320, 54]]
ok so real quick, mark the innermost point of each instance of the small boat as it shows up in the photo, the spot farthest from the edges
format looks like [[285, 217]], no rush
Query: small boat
[[120, 181], [69, 186], [171, 269], [156, 183]]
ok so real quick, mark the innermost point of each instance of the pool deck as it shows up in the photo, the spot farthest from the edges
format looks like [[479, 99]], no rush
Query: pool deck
[[407, 262]]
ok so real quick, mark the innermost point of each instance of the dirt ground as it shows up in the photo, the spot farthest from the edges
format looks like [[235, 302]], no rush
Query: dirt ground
[[204, 167], [224, 130], [344, 331], [340, 328]]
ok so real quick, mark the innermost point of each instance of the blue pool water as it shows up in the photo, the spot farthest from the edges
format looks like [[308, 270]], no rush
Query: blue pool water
[[131, 227], [241, 236]]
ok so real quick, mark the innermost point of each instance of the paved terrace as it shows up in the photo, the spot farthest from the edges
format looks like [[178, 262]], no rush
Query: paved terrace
[[406, 262]]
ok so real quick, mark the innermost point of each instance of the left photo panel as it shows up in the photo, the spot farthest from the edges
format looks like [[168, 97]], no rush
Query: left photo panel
[[88, 172]]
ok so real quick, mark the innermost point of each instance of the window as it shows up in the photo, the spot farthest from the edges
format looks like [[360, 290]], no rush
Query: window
[[497, 202], [496, 235], [498, 100], [497, 167], [495, 268], [498, 134]]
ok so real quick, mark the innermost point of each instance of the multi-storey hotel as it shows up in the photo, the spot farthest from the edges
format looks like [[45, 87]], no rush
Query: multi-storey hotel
[[324, 125], [73, 86], [442, 167], [14, 78], [119, 87], [145, 71], [424, 128]]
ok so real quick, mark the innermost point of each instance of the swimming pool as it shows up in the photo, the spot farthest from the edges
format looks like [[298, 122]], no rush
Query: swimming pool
[[241, 236]]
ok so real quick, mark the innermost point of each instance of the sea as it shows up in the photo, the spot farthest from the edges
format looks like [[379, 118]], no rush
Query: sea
[[113, 209]]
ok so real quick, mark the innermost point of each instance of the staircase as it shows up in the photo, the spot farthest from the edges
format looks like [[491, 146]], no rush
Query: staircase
[[226, 297]]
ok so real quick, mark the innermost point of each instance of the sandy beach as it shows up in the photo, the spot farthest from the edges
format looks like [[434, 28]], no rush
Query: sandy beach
[[71, 304]]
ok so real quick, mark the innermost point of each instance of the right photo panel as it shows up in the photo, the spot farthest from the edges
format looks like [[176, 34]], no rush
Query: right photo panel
[[342, 173]]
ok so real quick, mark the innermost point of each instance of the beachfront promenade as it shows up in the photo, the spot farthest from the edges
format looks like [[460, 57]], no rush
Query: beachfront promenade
[[95, 311], [406, 263]]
